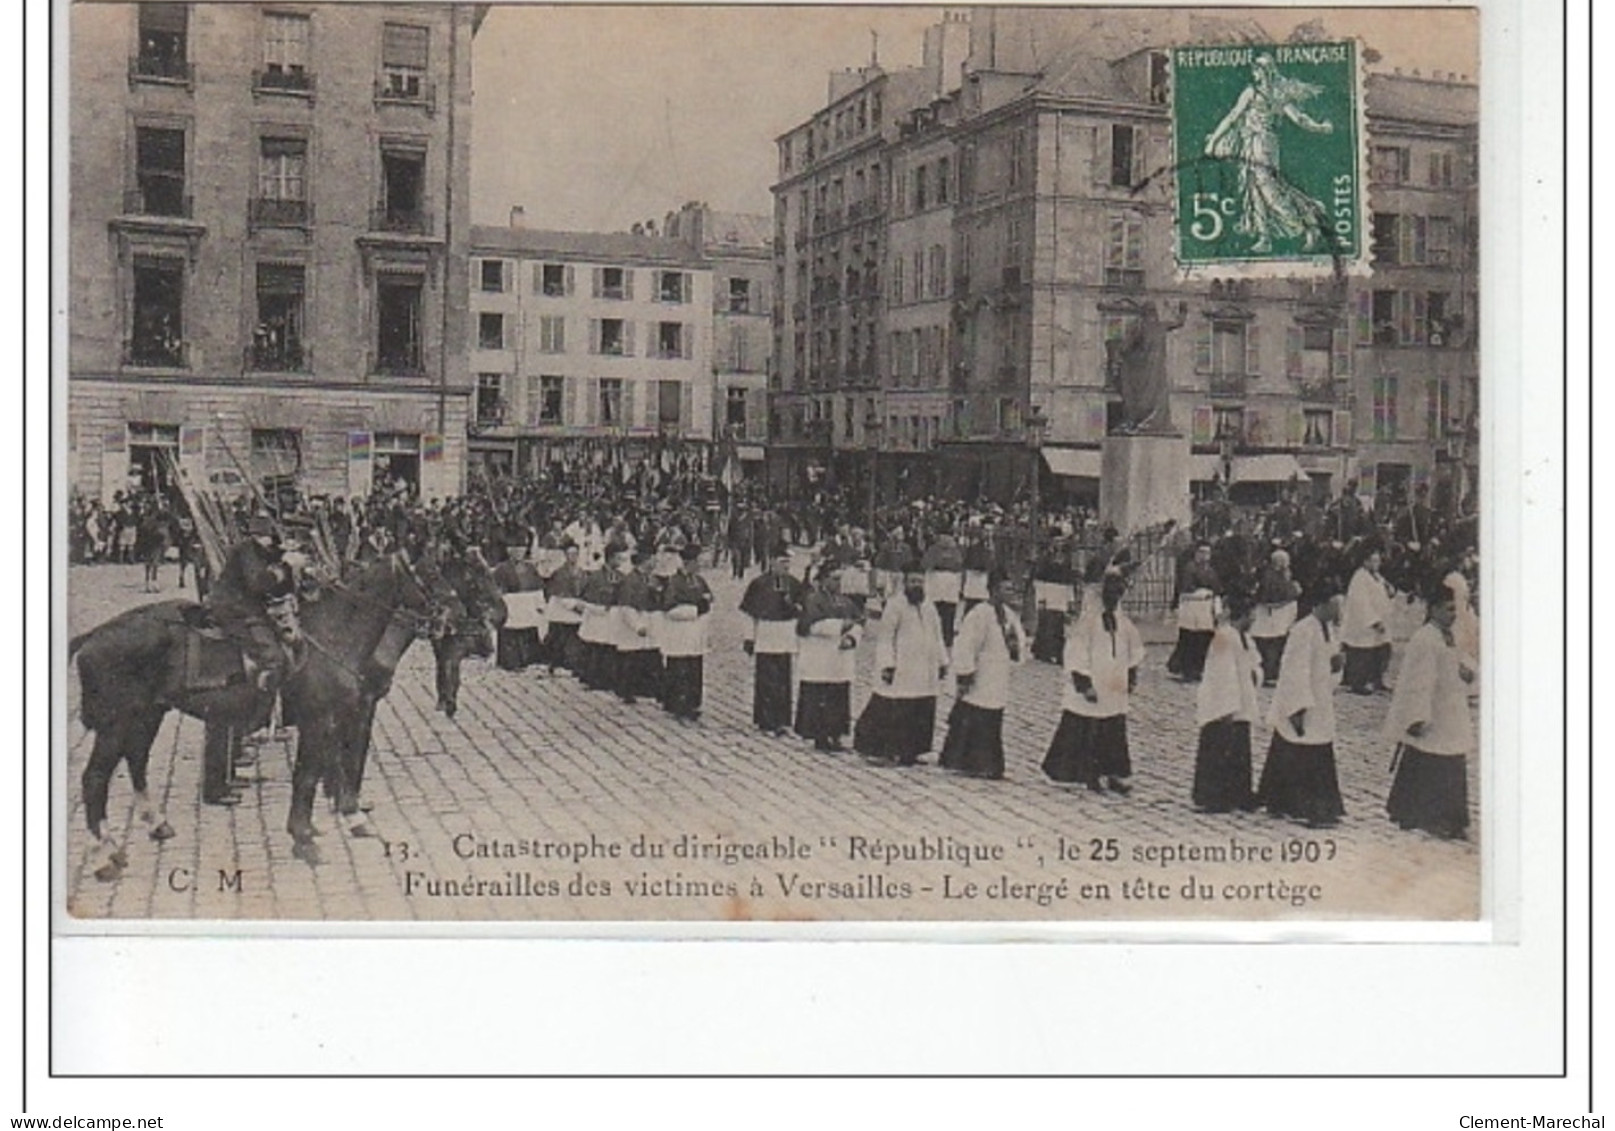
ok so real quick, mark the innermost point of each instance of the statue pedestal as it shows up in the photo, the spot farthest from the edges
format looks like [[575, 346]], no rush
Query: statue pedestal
[[1143, 481]]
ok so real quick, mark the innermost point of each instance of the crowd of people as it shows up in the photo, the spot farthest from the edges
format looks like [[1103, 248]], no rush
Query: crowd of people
[[601, 566]]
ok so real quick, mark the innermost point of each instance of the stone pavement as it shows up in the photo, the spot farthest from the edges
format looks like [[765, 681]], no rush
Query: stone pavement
[[542, 800]]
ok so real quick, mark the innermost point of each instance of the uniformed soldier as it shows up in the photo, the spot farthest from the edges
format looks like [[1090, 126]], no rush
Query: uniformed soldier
[[253, 576]]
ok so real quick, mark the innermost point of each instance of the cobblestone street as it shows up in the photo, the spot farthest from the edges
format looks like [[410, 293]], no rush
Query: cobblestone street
[[540, 795]]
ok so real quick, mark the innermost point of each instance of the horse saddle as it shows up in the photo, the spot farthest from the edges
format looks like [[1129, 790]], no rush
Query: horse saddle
[[212, 660]]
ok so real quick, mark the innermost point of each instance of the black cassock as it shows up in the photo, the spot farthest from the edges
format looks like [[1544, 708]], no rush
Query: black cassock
[[774, 600]]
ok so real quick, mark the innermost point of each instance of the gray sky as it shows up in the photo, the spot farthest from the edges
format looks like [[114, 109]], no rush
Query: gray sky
[[594, 117]]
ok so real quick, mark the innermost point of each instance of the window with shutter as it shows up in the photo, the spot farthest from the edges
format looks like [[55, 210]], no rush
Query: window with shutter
[[403, 60], [1293, 340], [1202, 347], [687, 341], [404, 45], [163, 36], [1341, 359], [1123, 143], [1364, 321], [532, 399], [1343, 429], [1295, 427], [1124, 251], [1100, 168], [1253, 350], [277, 337], [285, 45], [1205, 424]]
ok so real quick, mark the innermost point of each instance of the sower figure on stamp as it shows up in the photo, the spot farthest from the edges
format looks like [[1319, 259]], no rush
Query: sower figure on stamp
[[1271, 207]]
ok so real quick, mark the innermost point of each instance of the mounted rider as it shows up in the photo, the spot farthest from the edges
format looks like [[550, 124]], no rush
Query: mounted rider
[[251, 600]]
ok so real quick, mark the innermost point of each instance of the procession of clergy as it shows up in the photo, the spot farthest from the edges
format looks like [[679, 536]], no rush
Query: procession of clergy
[[633, 620]]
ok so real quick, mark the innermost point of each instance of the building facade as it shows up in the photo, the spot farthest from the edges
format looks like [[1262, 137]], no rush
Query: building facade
[[1037, 191], [739, 249], [831, 231], [269, 208], [587, 336]]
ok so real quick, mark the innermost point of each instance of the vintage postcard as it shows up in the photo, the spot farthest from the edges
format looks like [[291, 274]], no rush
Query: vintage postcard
[[848, 465]]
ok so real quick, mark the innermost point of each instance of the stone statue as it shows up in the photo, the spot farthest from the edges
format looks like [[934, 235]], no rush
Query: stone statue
[[1139, 362]]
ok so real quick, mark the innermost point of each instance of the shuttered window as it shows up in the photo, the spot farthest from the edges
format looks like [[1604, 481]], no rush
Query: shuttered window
[[405, 46]]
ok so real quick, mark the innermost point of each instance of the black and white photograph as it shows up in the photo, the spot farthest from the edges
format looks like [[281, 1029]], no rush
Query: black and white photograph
[[571, 464]]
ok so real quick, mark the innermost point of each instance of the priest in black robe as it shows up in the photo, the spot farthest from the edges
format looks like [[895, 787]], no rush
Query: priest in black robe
[[772, 603]]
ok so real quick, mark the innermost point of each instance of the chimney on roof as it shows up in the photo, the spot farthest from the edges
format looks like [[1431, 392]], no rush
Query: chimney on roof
[[518, 216], [947, 45]]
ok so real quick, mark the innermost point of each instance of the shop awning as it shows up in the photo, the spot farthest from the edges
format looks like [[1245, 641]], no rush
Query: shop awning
[[1204, 469], [750, 453], [1278, 468], [1078, 463]]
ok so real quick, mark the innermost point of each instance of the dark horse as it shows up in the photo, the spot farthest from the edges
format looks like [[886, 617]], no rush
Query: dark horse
[[470, 608], [134, 669]]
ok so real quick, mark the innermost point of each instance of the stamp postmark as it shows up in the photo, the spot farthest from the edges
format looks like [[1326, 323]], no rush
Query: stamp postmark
[[1269, 158]]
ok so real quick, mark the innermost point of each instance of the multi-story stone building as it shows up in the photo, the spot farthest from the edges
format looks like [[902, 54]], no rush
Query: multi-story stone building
[[1414, 323], [1054, 217], [269, 209], [587, 335], [739, 249], [919, 274], [831, 228]]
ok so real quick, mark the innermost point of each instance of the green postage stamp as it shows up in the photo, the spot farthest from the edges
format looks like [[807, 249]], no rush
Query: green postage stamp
[[1269, 158]]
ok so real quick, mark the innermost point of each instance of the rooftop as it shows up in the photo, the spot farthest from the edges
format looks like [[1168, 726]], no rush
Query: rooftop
[[590, 247], [1416, 99]]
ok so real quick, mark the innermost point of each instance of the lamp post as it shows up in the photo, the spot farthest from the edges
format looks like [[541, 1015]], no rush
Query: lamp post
[[1036, 426], [873, 426]]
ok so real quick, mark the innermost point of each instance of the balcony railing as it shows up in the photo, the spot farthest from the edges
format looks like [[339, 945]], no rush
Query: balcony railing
[[275, 357], [157, 202], [1322, 392], [406, 90], [159, 68], [1121, 279], [156, 352], [275, 80], [398, 365], [1228, 384], [401, 221], [494, 416], [264, 212]]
